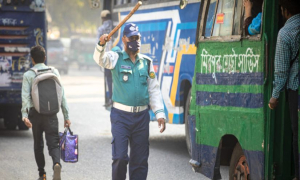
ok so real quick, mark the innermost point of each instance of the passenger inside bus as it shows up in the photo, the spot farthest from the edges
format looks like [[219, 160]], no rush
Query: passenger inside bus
[[252, 18]]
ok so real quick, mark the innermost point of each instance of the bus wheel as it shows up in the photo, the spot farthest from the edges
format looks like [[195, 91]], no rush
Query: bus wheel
[[187, 124], [10, 120], [239, 169]]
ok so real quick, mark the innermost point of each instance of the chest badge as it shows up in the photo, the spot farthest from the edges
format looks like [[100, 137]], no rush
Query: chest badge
[[125, 77], [152, 75]]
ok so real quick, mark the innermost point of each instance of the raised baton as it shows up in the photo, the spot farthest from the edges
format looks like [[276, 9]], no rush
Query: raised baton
[[125, 19]]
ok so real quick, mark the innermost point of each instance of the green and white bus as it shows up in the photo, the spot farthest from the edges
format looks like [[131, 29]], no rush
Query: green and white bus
[[229, 119]]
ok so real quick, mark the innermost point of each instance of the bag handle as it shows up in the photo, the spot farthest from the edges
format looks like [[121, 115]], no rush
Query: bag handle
[[71, 132], [68, 129], [65, 133]]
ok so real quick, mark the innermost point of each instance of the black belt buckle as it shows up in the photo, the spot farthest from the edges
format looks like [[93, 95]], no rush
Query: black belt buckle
[[136, 109]]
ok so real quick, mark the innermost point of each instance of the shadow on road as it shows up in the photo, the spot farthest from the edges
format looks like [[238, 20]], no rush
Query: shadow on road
[[15, 133], [169, 143]]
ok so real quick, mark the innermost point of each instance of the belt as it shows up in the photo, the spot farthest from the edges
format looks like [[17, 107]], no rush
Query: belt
[[126, 108]]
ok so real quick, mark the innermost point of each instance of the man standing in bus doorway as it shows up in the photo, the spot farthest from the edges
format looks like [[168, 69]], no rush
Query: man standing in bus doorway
[[287, 68], [135, 87], [105, 28]]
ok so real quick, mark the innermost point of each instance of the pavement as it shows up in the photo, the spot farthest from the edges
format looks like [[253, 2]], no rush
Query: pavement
[[169, 159]]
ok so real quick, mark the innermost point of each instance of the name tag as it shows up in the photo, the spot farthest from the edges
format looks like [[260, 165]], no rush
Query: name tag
[[125, 67]]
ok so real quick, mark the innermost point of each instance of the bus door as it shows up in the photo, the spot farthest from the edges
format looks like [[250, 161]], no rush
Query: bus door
[[280, 163], [228, 101]]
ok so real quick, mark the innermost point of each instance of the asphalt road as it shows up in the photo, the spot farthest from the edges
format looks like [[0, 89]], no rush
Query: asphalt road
[[85, 95]]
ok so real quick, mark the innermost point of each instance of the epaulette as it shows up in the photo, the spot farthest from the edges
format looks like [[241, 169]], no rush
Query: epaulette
[[145, 57], [149, 60]]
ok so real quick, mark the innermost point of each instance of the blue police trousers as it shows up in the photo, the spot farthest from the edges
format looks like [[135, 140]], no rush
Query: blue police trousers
[[132, 128]]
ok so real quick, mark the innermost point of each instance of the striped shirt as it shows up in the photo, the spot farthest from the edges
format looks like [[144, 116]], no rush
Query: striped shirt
[[286, 50]]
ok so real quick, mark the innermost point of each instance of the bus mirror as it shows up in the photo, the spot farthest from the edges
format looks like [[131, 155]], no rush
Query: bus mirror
[[183, 3]]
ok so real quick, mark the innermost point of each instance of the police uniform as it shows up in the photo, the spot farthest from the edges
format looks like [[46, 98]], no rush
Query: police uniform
[[135, 88]]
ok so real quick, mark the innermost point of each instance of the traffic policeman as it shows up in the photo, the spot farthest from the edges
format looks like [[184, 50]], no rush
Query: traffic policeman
[[135, 89]]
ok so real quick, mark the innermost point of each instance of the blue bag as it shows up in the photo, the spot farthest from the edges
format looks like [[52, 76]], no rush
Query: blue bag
[[68, 146], [254, 27]]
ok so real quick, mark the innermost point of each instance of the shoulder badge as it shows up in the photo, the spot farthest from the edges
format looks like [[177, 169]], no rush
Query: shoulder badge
[[152, 75], [145, 57]]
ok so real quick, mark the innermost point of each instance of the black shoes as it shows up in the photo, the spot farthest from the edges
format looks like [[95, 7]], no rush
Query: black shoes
[[42, 177]]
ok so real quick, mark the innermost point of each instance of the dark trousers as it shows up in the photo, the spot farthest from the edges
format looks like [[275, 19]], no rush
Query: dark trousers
[[133, 128], [293, 107], [108, 77], [49, 125]]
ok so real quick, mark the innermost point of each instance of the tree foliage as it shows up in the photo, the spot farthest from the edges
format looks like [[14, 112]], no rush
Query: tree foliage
[[73, 16]]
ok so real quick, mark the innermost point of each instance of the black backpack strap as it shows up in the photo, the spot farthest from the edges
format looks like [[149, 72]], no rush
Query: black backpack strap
[[51, 68], [42, 70], [34, 70]]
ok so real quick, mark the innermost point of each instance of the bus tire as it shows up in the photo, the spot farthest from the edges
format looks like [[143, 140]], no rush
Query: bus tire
[[187, 124], [10, 121], [239, 168]]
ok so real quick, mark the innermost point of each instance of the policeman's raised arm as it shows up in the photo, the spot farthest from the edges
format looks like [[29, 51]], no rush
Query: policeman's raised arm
[[104, 59], [103, 39]]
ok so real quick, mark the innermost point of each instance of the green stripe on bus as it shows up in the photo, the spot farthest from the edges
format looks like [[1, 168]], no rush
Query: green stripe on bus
[[231, 89], [247, 125], [229, 109]]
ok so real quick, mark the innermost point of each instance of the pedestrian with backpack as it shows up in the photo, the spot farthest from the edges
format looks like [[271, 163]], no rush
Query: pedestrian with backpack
[[42, 96]]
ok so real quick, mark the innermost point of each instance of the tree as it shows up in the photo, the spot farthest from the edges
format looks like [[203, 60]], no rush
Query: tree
[[73, 16]]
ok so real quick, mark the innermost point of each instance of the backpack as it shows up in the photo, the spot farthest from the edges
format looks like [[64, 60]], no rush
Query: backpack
[[46, 91]]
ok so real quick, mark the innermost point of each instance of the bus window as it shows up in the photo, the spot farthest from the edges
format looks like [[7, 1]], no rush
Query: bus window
[[210, 18], [237, 30], [224, 18], [252, 17]]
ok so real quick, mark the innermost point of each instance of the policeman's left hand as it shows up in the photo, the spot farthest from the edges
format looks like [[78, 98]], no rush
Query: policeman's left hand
[[67, 123], [273, 103], [161, 124]]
